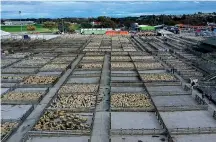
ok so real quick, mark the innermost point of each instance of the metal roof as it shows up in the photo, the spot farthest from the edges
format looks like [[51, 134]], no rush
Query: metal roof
[[165, 32]]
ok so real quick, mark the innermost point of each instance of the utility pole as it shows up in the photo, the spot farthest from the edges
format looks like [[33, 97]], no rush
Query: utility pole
[[41, 19], [20, 21], [188, 21], [62, 25]]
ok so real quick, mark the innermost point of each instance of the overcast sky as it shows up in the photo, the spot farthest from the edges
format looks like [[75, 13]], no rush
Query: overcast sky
[[43, 9]]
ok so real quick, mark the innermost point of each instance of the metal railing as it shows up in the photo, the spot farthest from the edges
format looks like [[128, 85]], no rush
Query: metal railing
[[182, 108], [136, 131], [204, 130]]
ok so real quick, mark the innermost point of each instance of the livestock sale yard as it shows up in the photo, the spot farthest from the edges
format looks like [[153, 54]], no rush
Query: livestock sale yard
[[91, 88]]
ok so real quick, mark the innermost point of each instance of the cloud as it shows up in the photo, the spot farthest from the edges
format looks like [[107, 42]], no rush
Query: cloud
[[36, 9]]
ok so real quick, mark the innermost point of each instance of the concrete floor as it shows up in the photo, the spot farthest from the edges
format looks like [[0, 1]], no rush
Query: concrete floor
[[185, 119], [166, 88], [195, 138], [123, 72], [152, 71], [22, 75], [3, 90], [145, 138], [134, 120], [84, 80], [8, 85], [19, 70], [127, 89], [31, 89], [14, 112], [49, 73], [86, 72], [124, 78], [59, 139], [180, 100]]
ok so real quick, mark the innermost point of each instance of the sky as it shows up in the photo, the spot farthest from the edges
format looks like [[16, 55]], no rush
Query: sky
[[59, 9]]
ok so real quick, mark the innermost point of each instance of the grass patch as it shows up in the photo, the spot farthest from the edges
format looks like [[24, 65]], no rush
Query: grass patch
[[39, 28]]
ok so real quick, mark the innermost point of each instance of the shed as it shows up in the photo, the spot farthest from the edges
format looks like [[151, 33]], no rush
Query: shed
[[147, 28]]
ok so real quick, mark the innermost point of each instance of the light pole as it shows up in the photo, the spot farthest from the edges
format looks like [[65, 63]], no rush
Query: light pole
[[20, 21], [62, 25], [41, 19], [188, 22]]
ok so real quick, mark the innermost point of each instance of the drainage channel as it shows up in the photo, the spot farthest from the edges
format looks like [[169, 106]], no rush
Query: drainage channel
[[100, 132], [36, 113]]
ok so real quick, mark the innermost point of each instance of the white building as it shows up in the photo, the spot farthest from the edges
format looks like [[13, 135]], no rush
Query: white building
[[10, 23]]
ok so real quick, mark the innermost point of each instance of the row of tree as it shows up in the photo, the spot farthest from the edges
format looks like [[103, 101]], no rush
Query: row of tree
[[61, 26], [65, 24]]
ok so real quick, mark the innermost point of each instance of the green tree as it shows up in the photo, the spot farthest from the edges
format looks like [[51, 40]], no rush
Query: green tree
[[86, 25], [73, 27], [106, 22], [63, 26], [49, 25], [101, 18]]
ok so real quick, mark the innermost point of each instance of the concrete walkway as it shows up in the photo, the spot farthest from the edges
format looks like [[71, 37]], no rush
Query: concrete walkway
[[101, 124]]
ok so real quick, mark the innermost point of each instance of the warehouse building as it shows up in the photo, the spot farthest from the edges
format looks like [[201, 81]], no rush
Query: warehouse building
[[13, 23], [96, 31], [95, 23], [146, 28]]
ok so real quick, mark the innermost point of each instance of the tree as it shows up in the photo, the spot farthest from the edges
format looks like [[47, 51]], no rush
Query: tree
[[67, 27], [102, 18], [30, 28], [86, 25], [49, 25], [64, 27], [73, 27], [106, 22]]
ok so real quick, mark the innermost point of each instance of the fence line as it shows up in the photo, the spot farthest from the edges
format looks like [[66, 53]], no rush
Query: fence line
[[193, 130], [136, 131]]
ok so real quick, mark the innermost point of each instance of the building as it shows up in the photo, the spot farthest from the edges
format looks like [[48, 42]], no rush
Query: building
[[13, 23], [146, 28], [96, 31], [164, 32], [95, 23], [134, 26]]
